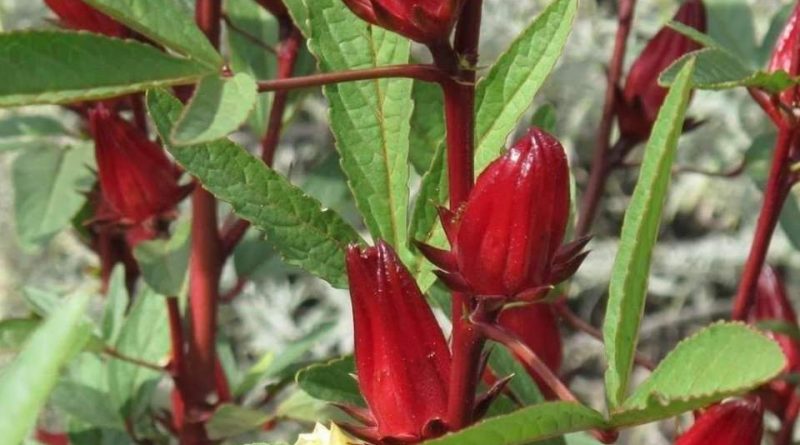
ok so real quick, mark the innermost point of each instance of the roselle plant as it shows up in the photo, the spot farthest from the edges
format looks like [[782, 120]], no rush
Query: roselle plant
[[157, 184]]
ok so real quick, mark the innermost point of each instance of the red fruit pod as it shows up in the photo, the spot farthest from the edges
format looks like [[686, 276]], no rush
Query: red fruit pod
[[402, 357], [425, 21], [785, 55], [137, 179], [736, 422], [76, 14], [515, 218], [642, 96], [537, 326]]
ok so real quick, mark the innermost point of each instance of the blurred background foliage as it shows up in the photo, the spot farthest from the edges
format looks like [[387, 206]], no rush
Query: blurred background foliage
[[704, 241]]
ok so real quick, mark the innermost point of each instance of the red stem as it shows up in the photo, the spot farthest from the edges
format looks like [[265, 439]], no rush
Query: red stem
[[426, 73], [778, 185], [600, 166], [459, 97]]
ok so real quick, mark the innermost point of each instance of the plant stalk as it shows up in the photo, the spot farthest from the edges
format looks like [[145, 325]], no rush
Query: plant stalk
[[600, 168], [426, 73]]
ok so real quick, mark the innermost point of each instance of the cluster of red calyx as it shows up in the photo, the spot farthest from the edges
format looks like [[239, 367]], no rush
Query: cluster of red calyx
[[75, 14], [425, 21], [735, 422], [506, 240], [772, 305], [138, 189], [639, 101]]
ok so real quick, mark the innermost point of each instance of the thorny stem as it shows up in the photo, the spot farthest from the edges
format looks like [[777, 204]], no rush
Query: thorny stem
[[426, 73], [600, 166], [778, 184], [459, 96]]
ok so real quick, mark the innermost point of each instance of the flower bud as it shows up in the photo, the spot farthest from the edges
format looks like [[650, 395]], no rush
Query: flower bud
[[772, 304], [426, 21], [736, 422], [402, 357], [642, 96], [784, 55], [506, 240], [137, 179], [537, 326], [76, 14]]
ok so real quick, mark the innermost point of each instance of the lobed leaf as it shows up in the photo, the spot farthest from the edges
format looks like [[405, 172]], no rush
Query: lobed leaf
[[332, 381], [701, 370], [164, 263], [507, 91], [218, 107], [628, 286], [305, 234], [89, 67], [535, 423], [168, 22], [27, 381], [370, 119]]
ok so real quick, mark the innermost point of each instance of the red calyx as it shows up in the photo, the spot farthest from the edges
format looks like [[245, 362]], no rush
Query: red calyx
[[507, 239], [537, 326], [772, 304], [736, 422], [137, 179], [426, 21], [76, 14], [785, 55], [402, 357], [640, 100]]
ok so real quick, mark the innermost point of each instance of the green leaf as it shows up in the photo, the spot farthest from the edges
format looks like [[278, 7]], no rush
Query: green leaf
[[250, 57], [301, 406], [231, 420], [299, 12], [28, 380], [503, 363], [14, 332], [508, 89], [776, 25], [144, 336], [30, 125], [370, 119], [425, 225], [164, 263], [168, 22], [116, 304], [628, 287], [427, 125], [332, 381], [49, 185], [538, 422], [718, 69], [306, 235], [218, 107], [703, 369], [88, 67], [730, 22], [87, 404]]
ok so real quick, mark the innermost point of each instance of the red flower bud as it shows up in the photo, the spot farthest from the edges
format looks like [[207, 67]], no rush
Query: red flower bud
[[772, 304], [642, 96], [402, 358], [784, 55], [78, 15], [737, 422], [426, 21], [137, 179], [506, 241], [537, 326]]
